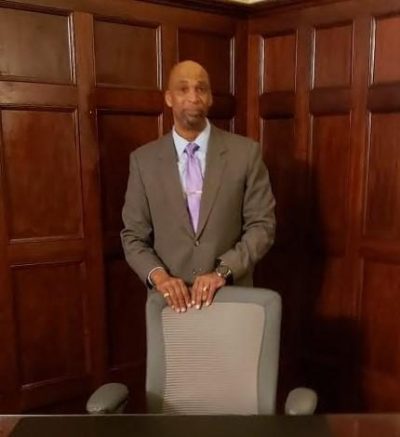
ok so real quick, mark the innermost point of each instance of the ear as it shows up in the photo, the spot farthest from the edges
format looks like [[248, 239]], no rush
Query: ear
[[168, 98]]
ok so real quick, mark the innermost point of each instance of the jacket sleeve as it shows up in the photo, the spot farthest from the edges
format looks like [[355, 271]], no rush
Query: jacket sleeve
[[258, 215], [137, 234]]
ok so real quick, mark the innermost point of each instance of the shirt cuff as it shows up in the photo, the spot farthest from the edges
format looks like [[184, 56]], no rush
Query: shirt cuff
[[149, 281]]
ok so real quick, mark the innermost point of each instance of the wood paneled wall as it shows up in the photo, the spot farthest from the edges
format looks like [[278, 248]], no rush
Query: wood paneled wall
[[327, 112], [80, 87]]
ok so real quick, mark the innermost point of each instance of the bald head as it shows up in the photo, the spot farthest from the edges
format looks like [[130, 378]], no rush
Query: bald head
[[188, 70], [189, 97]]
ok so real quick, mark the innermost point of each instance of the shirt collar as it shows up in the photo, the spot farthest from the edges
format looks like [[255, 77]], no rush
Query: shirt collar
[[201, 140]]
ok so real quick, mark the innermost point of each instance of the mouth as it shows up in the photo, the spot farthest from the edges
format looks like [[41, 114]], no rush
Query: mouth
[[195, 113]]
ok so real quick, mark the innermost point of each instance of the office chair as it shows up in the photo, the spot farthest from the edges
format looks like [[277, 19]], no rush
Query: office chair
[[222, 359]]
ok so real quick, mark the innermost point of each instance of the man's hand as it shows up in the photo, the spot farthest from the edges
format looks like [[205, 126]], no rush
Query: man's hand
[[173, 289], [205, 287]]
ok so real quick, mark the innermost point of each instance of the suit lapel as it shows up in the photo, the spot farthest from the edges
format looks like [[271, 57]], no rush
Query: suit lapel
[[215, 166], [172, 184]]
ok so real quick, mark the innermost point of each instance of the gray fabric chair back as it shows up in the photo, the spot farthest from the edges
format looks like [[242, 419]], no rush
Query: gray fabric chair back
[[219, 360]]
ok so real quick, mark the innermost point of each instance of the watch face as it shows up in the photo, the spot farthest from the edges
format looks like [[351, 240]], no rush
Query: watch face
[[223, 270]]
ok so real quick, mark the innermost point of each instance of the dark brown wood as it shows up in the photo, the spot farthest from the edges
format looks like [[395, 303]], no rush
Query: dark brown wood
[[70, 116], [38, 94], [330, 100], [119, 135], [254, 87], [329, 71], [224, 106], [384, 98], [169, 43], [54, 292], [24, 33], [317, 82], [9, 390], [95, 328], [122, 99], [386, 66], [214, 51], [382, 197], [40, 210], [348, 225], [330, 162], [279, 62], [224, 123], [132, 11], [240, 68], [117, 58], [277, 104]]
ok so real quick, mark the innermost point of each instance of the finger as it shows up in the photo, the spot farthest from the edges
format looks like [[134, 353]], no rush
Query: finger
[[167, 298], [199, 295], [175, 302], [204, 292], [180, 298], [210, 295], [194, 292], [166, 295], [185, 293]]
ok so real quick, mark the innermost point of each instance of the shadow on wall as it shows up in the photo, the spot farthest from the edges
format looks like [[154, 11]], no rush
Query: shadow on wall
[[320, 337]]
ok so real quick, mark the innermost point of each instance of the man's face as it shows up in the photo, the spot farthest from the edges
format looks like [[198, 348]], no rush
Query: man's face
[[189, 96]]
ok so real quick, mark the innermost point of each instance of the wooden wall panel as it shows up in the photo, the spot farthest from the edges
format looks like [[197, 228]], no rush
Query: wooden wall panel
[[35, 46], [50, 294], [347, 83], [279, 62], [379, 321], [316, 76], [333, 71], [313, 133], [276, 69], [126, 322], [40, 146], [81, 86], [119, 135], [129, 114], [49, 309], [278, 144], [217, 52], [332, 302], [119, 48], [214, 51], [224, 123], [382, 203], [386, 66], [330, 163]]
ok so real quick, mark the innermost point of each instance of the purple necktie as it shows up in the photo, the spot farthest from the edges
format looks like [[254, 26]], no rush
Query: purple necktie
[[193, 182]]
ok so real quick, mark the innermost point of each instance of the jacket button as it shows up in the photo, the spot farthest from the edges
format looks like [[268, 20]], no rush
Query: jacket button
[[197, 243]]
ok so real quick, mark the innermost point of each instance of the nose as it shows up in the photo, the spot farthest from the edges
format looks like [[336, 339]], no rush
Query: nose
[[193, 95]]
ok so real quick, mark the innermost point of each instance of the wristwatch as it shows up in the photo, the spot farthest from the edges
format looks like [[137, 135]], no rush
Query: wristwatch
[[223, 271]]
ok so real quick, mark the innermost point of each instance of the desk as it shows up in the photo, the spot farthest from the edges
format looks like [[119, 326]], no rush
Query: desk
[[379, 425]]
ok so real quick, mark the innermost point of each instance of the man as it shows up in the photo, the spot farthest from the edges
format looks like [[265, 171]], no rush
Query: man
[[199, 210]]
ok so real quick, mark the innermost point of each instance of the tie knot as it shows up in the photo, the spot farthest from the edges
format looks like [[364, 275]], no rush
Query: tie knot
[[192, 148]]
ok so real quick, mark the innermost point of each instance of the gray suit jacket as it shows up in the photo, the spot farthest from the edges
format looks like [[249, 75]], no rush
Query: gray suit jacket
[[236, 223]]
